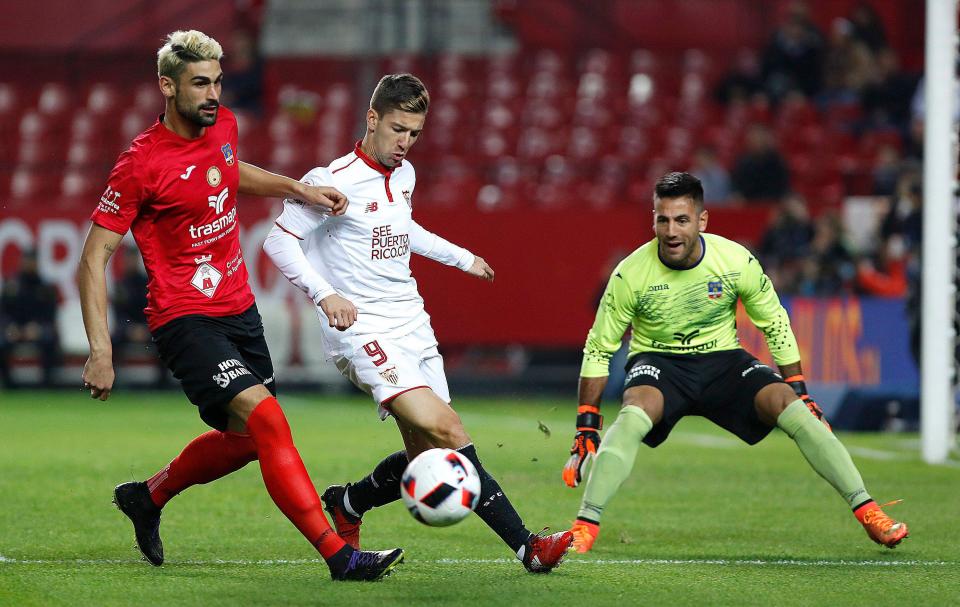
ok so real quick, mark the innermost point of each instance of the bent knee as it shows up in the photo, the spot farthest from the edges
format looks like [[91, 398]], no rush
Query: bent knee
[[772, 400], [647, 398], [448, 431]]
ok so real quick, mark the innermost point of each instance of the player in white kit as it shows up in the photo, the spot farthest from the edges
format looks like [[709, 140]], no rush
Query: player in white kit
[[356, 269]]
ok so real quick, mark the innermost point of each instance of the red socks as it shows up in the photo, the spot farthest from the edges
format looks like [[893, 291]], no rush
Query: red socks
[[286, 477], [210, 456]]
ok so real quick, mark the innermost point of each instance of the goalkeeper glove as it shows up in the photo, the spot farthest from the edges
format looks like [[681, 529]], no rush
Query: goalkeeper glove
[[585, 443], [800, 388]]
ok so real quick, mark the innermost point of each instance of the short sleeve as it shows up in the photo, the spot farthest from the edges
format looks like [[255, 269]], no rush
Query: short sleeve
[[299, 218], [120, 202]]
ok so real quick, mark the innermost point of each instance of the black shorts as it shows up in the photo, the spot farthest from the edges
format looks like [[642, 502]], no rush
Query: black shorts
[[719, 386], [216, 358]]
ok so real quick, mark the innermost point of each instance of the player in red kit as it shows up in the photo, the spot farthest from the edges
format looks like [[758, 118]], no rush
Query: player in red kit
[[176, 189]]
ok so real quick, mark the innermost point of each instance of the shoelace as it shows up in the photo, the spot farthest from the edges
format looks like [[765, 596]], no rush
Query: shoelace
[[359, 558], [879, 517], [539, 535]]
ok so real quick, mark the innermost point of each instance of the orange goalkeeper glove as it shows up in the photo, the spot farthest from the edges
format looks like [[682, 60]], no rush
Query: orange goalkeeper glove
[[586, 442], [799, 386]]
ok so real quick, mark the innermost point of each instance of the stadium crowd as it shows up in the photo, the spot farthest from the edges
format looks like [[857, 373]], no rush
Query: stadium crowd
[[798, 125]]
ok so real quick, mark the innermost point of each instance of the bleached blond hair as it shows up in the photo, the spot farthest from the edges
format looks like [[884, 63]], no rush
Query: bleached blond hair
[[182, 47]]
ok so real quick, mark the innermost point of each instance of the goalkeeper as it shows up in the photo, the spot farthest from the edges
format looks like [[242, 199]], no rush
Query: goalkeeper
[[679, 294]]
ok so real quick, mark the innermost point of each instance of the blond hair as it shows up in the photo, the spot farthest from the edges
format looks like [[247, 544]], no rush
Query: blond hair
[[182, 47]]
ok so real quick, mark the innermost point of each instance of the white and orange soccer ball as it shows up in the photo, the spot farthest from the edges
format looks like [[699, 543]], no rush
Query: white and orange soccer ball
[[440, 487]]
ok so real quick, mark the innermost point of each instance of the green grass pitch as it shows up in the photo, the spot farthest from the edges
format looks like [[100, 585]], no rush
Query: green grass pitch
[[703, 520]]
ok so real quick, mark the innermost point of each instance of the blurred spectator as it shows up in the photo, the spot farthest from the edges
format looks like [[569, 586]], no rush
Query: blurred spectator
[[794, 57], [760, 173], [28, 315], [887, 276], [828, 269], [905, 220], [886, 171], [905, 217], [847, 68], [867, 27], [789, 236], [743, 81], [715, 179], [243, 89], [887, 97]]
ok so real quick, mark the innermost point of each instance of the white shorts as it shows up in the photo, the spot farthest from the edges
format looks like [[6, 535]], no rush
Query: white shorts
[[386, 367]]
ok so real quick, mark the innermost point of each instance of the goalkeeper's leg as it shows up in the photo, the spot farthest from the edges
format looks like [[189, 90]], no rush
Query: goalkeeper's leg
[[829, 458], [642, 408]]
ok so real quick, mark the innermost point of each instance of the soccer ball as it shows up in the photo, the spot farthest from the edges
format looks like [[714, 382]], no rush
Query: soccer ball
[[440, 487]]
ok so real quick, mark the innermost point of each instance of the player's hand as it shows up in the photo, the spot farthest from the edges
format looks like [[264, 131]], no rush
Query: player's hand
[[481, 269], [586, 442], [98, 376], [340, 312], [585, 445], [799, 386], [324, 196]]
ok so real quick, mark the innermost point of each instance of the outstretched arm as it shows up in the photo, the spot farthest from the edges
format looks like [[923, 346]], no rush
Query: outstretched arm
[[258, 182], [98, 374], [426, 243]]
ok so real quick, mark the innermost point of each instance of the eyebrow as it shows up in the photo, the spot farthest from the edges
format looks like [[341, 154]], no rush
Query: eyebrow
[[206, 79]]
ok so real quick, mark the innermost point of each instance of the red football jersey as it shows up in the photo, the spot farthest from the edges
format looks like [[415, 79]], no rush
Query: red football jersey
[[179, 197]]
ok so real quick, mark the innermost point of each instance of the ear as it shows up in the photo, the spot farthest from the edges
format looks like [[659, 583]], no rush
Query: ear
[[704, 216], [372, 120], [168, 87]]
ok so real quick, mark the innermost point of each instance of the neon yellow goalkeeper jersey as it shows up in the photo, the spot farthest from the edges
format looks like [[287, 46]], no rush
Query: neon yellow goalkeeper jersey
[[690, 311]]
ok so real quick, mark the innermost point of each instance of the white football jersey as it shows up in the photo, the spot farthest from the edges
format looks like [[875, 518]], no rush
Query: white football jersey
[[364, 254]]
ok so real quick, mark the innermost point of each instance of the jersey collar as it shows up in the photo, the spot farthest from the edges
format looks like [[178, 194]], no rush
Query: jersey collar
[[703, 253], [370, 162]]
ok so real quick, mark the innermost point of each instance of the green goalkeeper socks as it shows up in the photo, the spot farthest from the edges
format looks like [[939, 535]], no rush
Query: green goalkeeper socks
[[614, 460], [824, 451]]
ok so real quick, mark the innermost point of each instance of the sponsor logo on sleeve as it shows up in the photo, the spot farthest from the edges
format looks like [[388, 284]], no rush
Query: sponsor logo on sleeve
[[108, 201]]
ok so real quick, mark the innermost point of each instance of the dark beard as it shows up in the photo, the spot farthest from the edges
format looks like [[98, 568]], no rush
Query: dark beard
[[193, 114]]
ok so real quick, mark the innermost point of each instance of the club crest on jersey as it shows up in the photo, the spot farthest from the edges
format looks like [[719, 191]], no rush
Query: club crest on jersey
[[714, 289], [390, 374], [214, 177], [227, 153], [206, 279], [406, 196]]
